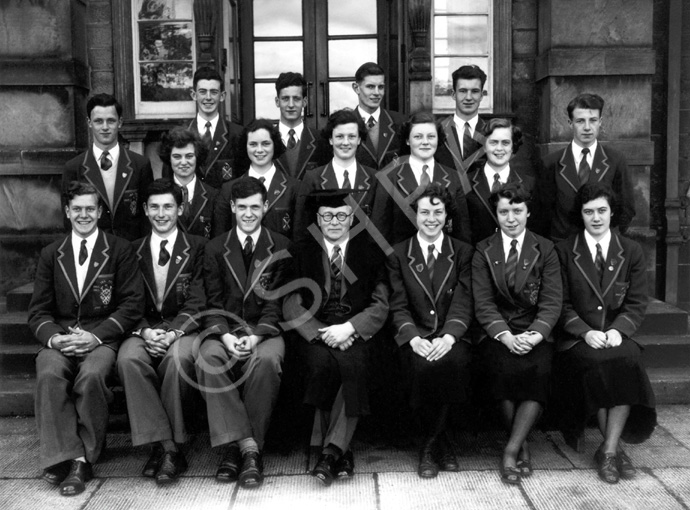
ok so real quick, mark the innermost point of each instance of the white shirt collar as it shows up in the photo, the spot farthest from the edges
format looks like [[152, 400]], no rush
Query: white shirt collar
[[156, 244], [460, 124], [285, 135], [90, 241], [113, 154], [437, 244], [340, 173], [330, 245], [191, 186], [201, 124], [82, 270], [417, 166], [577, 152], [365, 116], [268, 176], [242, 237], [502, 175], [604, 243], [507, 240]]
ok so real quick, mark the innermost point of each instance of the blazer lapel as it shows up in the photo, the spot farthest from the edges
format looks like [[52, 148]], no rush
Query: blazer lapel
[[386, 134], [452, 142], [481, 189], [406, 180], [614, 262], [144, 258], [233, 258], [443, 268], [362, 182], [568, 170], [66, 261], [198, 203], [99, 258], [327, 177], [178, 261], [220, 140], [417, 265], [495, 258], [307, 148], [600, 163], [124, 175], [277, 188], [529, 256], [583, 260], [92, 174], [263, 256]]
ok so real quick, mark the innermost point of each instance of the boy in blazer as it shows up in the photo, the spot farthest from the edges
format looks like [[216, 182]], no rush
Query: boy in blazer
[[88, 293], [119, 175], [156, 364]]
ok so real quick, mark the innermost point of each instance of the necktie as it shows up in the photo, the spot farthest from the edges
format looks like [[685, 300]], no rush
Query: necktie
[[425, 180], [164, 256], [83, 253], [336, 261], [247, 251], [599, 262], [207, 138], [511, 264], [262, 180], [430, 261], [185, 201], [584, 169], [106, 164], [346, 180], [371, 122], [291, 141], [466, 141], [497, 183]]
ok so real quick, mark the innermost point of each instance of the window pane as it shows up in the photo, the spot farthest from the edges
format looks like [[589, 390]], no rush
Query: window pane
[[264, 101], [461, 6], [341, 95], [351, 17], [277, 18], [344, 57], [273, 57], [443, 82], [163, 9], [461, 35]]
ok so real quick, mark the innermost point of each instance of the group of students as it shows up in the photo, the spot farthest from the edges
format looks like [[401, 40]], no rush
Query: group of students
[[379, 229]]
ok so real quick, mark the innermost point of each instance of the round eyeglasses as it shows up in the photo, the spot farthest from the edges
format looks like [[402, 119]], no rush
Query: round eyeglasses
[[328, 217]]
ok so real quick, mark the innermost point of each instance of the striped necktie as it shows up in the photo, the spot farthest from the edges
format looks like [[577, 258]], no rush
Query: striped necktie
[[511, 264]]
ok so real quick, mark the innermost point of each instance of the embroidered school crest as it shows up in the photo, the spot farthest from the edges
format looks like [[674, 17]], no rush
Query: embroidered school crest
[[227, 172], [287, 223], [532, 291], [106, 293]]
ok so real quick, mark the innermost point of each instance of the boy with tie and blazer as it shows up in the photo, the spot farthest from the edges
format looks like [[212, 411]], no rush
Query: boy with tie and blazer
[[156, 364], [88, 293]]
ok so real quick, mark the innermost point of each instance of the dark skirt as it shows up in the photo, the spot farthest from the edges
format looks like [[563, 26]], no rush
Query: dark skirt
[[508, 376], [591, 379], [444, 381], [328, 369]]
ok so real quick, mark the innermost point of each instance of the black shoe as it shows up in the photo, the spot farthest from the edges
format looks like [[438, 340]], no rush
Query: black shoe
[[252, 474], [151, 466], [428, 468], [229, 467], [345, 465], [324, 471], [606, 466], [173, 464], [447, 460], [75, 482], [624, 465], [54, 475]]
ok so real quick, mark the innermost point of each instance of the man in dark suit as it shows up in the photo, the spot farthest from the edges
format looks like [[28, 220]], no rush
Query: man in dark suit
[[242, 269], [119, 175], [301, 141], [219, 136], [345, 132], [88, 292], [464, 143], [382, 142], [156, 364], [351, 307], [183, 153], [583, 161]]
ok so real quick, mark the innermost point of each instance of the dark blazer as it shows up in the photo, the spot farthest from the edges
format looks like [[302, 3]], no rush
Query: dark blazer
[[307, 157], [426, 308], [389, 141], [559, 184], [619, 302], [482, 216], [133, 175], [450, 155], [184, 296], [280, 217], [324, 178], [535, 303], [217, 168], [398, 186], [112, 299], [199, 220], [231, 288]]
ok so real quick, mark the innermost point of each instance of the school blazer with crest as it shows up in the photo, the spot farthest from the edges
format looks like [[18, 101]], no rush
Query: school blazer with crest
[[218, 167], [426, 308], [199, 220], [184, 297], [112, 299], [246, 294], [133, 175], [389, 141], [307, 159], [450, 155], [536, 301], [619, 302]]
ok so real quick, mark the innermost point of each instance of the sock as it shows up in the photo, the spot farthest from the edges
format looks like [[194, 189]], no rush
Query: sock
[[248, 445], [82, 459], [332, 449], [168, 445]]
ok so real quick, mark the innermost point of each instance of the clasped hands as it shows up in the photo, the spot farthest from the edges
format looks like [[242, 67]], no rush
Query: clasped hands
[[600, 340], [157, 341], [77, 342], [434, 349], [240, 347], [521, 344], [338, 336]]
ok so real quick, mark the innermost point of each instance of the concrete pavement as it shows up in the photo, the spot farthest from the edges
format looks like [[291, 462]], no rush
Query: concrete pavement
[[385, 476]]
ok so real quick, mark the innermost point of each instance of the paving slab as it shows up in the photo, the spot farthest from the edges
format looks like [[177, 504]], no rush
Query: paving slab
[[676, 481], [371, 458], [676, 420], [38, 495], [19, 457]]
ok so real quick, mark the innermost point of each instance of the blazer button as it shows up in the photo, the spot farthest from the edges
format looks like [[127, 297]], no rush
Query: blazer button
[[600, 307], [432, 312]]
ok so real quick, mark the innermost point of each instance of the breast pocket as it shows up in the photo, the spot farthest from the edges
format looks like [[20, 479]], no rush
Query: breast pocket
[[620, 290], [131, 201], [284, 225], [103, 293], [182, 288], [530, 292]]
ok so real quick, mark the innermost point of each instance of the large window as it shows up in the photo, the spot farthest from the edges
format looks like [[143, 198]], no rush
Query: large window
[[462, 33]]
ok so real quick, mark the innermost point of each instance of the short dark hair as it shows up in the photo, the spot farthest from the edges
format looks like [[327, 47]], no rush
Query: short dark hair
[[368, 69], [436, 191], [344, 116], [207, 73], [592, 191], [241, 160], [289, 79], [163, 187], [103, 100], [514, 192], [468, 72], [247, 187], [586, 102], [180, 137], [422, 117], [515, 131], [77, 188]]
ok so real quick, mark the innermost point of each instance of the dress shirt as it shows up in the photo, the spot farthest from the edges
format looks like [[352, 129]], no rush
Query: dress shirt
[[417, 166], [330, 246], [268, 176], [285, 135], [242, 237], [160, 273], [109, 176], [190, 187], [340, 173], [502, 175], [592, 244], [156, 245], [84, 268], [577, 153], [201, 124], [365, 116], [460, 127], [424, 245], [507, 240]]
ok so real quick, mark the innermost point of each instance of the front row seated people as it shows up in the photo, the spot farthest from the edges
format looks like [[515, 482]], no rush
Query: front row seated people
[[338, 320], [241, 269], [516, 282], [87, 293], [431, 308], [156, 363]]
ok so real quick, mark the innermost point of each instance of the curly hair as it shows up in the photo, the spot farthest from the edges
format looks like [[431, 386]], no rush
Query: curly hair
[[178, 138], [241, 160], [515, 132]]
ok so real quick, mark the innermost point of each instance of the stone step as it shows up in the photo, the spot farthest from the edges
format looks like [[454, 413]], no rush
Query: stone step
[[16, 360], [17, 396], [14, 329], [663, 351], [18, 299], [664, 319]]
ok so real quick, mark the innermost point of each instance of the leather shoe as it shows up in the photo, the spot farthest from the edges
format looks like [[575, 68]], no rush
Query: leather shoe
[[324, 471], [606, 466], [75, 482], [447, 460], [229, 467], [54, 475], [173, 464], [345, 465], [625, 465], [252, 474], [151, 466], [428, 468]]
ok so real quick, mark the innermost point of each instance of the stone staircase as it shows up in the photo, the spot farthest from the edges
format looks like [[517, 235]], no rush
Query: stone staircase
[[664, 336]]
